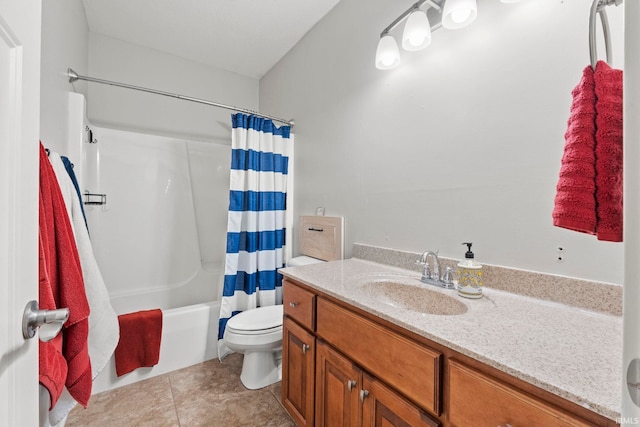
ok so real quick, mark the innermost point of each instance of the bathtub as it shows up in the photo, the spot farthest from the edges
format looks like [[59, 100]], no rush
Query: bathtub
[[189, 333], [160, 240]]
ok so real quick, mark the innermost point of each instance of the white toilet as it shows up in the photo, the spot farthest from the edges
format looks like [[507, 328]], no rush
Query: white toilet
[[257, 333]]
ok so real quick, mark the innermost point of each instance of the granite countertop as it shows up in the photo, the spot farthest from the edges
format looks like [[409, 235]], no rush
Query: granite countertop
[[571, 352]]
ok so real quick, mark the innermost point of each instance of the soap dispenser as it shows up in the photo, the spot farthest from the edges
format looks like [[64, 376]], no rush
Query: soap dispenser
[[469, 275]]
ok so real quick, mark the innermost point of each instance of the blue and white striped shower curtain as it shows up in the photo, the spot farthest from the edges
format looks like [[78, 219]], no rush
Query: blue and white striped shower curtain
[[256, 231]]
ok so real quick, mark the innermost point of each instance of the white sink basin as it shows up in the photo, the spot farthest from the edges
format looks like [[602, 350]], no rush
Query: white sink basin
[[416, 298]]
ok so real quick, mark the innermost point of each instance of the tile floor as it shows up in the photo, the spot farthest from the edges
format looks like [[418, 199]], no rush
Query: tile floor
[[207, 394]]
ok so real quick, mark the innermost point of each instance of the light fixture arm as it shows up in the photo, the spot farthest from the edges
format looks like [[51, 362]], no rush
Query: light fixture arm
[[407, 12]]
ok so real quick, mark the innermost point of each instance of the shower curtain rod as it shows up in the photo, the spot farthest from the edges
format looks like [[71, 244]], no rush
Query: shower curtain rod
[[73, 76]]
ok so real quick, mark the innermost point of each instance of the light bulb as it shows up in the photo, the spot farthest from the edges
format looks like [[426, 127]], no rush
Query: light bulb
[[387, 54], [459, 13], [417, 31]]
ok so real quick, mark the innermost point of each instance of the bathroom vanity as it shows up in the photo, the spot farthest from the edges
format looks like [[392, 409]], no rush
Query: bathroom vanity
[[368, 344]]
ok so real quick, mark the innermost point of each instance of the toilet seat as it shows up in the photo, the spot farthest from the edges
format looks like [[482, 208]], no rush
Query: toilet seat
[[277, 329], [257, 321]]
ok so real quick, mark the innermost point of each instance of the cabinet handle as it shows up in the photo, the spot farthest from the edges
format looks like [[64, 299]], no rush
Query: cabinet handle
[[506, 425], [305, 347], [351, 384], [293, 304], [363, 394]]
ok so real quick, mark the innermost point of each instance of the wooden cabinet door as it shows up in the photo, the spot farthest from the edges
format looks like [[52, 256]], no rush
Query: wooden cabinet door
[[383, 407], [482, 401], [338, 382], [411, 368], [298, 369]]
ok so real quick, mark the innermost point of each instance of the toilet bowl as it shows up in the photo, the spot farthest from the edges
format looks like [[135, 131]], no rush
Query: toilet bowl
[[257, 333]]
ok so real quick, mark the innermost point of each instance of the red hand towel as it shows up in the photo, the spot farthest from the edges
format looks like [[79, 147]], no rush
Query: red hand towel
[[575, 203], [65, 359], [139, 344], [608, 152]]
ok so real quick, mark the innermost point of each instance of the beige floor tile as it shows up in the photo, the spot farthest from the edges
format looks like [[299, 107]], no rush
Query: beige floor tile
[[145, 403], [276, 389], [211, 378], [207, 394], [248, 408], [212, 394]]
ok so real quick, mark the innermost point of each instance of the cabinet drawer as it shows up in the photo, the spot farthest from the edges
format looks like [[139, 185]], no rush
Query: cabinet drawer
[[299, 304], [412, 369], [479, 400]]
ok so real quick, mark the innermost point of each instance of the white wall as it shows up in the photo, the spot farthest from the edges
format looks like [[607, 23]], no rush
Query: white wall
[[110, 106], [67, 42], [65, 39], [461, 143]]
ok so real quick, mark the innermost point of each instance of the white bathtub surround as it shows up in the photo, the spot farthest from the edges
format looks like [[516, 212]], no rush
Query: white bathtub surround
[[146, 237], [163, 225], [159, 240], [103, 322]]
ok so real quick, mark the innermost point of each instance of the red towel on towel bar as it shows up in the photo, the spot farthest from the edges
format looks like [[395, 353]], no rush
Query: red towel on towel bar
[[589, 190], [575, 202], [608, 152], [139, 344]]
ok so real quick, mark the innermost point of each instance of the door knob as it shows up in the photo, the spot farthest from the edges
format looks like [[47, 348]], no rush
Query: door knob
[[363, 395], [351, 384], [33, 318]]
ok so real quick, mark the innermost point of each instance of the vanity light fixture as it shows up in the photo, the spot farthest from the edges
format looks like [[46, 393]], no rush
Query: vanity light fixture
[[416, 34], [387, 54], [451, 14], [417, 31], [459, 13]]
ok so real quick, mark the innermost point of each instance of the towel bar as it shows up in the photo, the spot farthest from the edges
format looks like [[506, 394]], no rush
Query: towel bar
[[598, 7]]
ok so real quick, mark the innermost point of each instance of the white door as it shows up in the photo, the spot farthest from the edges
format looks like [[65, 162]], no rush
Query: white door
[[19, 130]]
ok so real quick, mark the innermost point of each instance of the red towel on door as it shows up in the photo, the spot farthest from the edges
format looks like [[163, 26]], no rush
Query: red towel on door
[[575, 203], [608, 152], [63, 361], [139, 344]]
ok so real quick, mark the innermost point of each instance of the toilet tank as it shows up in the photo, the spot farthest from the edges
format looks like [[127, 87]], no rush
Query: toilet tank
[[322, 237]]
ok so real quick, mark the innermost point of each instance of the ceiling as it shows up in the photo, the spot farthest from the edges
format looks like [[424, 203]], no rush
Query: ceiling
[[247, 37]]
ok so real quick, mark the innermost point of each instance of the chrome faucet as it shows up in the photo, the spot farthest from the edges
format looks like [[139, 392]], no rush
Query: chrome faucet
[[426, 271], [433, 277]]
